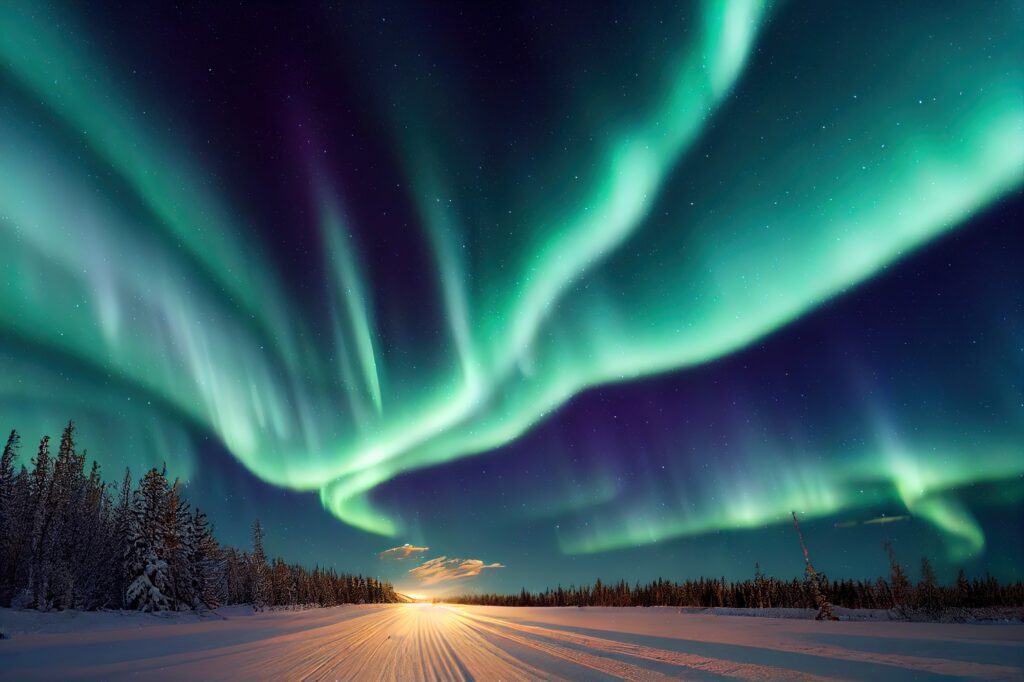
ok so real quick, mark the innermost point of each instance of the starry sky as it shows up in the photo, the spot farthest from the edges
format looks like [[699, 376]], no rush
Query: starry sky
[[477, 297]]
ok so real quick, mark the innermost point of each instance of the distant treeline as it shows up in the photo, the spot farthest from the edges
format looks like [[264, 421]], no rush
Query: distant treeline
[[763, 592], [66, 541]]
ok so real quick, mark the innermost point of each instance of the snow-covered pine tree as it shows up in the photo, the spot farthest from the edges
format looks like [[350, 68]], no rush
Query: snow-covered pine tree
[[20, 534], [61, 532], [92, 552], [761, 599], [148, 586], [928, 597], [207, 564], [121, 550], [9, 515], [899, 584], [281, 585], [7, 474], [962, 590], [178, 547], [236, 571], [258, 569], [39, 489]]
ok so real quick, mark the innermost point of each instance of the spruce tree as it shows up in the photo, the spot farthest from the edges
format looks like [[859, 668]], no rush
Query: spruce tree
[[121, 549], [148, 587], [760, 589], [38, 573], [928, 589], [258, 570], [178, 549], [7, 472], [963, 590], [20, 537], [95, 546], [57, 587], [208, 565], [9, 516], [899, 585]]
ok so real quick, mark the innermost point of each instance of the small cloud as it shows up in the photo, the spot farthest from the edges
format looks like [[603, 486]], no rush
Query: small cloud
[[886, 519], [443, 569], [872, 522], [403, 552]]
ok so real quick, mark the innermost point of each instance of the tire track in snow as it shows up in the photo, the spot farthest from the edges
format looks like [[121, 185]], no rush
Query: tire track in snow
[[693, 662], [404, 643]]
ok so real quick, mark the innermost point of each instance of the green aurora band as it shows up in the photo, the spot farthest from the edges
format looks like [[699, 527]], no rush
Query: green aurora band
[[633, 251]]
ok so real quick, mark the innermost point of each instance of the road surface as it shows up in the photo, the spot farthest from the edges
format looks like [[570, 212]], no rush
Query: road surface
[[438, 642]]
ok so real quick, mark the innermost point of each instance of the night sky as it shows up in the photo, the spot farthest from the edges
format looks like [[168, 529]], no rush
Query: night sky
[[547, 291]]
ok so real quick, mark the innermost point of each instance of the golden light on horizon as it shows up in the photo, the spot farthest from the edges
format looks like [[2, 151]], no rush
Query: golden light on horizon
[[417, 596]]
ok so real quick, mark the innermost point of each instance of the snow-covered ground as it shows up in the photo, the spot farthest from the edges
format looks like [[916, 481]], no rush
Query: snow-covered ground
[[424, 641]]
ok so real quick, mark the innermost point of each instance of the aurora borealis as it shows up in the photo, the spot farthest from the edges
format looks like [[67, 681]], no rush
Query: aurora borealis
[[565, 286]]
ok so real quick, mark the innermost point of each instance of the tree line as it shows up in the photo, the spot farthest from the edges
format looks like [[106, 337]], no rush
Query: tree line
[[68, 540], [926, 596]]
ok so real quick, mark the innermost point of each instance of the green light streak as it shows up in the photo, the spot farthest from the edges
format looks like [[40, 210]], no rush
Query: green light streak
[[759, 494], [351, 290], [36, 50]]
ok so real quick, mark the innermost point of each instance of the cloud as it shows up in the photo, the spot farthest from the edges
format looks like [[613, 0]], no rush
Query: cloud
[[401, 553], [872, 522], [886, 519], [443, 569]]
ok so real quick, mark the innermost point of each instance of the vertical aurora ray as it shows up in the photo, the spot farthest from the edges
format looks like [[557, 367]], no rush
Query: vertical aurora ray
[[56, 67], [687, 197], [350, 290]]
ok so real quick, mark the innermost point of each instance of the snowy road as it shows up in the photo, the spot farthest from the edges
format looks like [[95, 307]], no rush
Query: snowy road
[[421, 641]]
